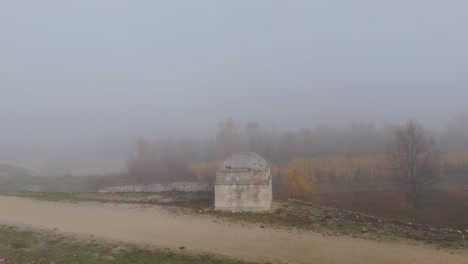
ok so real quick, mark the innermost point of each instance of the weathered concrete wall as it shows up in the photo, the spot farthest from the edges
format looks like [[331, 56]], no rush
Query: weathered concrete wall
[[243, 191]]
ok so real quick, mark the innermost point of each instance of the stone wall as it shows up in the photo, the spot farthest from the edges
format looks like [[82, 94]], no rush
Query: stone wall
[[243, 191], [160, 187]]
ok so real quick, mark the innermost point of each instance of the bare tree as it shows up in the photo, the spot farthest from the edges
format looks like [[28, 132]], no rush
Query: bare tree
[[229, 135], [414, 163], [252, 129], [142, 168]]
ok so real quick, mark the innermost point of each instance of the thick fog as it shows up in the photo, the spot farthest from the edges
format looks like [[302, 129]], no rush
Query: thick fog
[[93, 76]]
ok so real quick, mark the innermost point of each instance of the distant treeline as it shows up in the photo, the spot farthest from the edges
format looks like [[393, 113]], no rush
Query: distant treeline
[[327, 153]]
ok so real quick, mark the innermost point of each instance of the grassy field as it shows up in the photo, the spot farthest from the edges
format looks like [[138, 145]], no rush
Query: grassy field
[[18, 179], [446, 204], [26, 246], [442, 207]]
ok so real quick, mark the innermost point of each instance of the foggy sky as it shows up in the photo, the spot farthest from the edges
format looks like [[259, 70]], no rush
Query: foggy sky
[[113, 70]]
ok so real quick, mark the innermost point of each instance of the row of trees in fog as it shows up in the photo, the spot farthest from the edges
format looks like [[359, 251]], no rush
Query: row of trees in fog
[[360, 153], [336, 154]]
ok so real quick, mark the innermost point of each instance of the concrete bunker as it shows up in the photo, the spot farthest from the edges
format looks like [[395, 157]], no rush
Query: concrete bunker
[[243, 183]]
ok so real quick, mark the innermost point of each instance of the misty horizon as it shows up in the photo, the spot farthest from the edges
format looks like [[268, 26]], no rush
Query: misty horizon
[[105, 73]]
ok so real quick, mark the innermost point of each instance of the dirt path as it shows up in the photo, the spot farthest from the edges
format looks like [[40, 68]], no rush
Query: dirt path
[[155, 226]]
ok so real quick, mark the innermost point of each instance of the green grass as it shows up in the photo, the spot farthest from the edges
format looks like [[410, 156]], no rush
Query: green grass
[[51, 197], [19, 246], [59, 197], [18, 179]]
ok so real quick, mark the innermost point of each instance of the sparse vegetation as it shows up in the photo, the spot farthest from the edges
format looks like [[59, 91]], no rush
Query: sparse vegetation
[[27, 246], [333, 222]]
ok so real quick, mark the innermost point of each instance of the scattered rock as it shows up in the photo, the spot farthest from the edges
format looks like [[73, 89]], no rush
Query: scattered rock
[[186, 187], [119, 249]]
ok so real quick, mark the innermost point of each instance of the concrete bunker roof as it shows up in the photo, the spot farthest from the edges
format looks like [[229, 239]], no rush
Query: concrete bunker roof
[[244, 162]]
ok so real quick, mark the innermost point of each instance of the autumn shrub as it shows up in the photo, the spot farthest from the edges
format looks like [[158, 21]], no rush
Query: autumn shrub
[[203, 171], [341, 169], [296, 182]]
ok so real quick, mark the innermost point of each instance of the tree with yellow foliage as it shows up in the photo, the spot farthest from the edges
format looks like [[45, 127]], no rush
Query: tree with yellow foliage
[[296, 180]]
